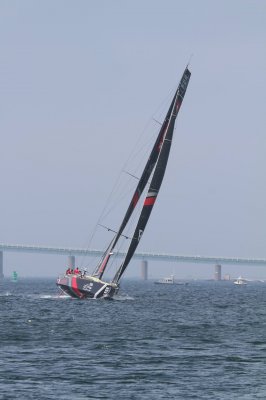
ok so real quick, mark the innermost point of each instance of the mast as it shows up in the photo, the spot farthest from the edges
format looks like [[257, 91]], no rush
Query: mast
[[148, 169], [161, 163]]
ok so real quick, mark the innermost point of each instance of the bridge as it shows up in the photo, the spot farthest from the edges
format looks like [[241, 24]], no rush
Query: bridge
[[144, 256]]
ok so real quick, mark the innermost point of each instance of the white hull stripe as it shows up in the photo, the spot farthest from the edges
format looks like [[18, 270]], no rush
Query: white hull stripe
[[100, 290]]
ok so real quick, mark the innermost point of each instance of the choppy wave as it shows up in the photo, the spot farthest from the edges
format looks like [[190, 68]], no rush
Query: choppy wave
[[202, 341], [5, 294], [56, 296]]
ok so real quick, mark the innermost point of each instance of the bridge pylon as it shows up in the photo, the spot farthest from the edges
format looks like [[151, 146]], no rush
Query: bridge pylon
[[144, 269], [217, 272]]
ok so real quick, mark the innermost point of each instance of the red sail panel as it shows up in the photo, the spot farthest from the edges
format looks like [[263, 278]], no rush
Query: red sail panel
[[149, 201], [135, 199]]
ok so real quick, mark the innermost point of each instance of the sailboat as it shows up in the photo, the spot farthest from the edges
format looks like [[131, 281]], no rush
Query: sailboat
[[94, 286]]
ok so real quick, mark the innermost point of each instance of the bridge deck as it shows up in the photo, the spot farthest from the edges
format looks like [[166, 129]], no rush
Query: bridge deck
[[141, 255]]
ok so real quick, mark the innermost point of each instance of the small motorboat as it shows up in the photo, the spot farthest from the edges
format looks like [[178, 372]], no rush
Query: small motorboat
[[240, 281], [170, 281]]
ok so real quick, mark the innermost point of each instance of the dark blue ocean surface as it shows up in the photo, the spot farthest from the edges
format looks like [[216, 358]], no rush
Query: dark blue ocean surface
[[206, 340]]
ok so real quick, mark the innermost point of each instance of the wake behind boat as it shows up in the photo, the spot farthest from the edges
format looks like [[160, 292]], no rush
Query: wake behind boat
[[93, 286]]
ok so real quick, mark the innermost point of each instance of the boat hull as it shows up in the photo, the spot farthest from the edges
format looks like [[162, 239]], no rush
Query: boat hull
[[86, 287]]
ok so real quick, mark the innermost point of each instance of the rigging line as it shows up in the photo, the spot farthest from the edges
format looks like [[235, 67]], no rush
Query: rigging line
[[133, 176], [116, 204], [158, 122], [111, 230], [103, 212], [95, 259]]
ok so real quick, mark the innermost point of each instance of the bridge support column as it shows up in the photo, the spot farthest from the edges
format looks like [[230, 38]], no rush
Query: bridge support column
[[1, 265], [144, 270], [218, 272], [71, 262]]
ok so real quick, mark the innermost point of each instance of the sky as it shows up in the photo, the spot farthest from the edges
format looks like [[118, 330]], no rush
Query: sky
[[79, 80]]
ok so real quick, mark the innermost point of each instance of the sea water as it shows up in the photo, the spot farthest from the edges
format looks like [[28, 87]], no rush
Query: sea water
[[206, 340]]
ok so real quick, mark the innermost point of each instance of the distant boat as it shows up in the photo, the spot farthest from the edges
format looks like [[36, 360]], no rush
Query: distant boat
[[240, 281], [92, 286], [170, 281], [14, 276]]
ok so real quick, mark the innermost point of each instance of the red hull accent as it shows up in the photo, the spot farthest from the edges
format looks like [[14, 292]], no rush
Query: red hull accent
[[74, 287]]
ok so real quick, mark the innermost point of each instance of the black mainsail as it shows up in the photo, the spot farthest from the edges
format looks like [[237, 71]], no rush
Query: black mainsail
[[83, 286], [159, 171]]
